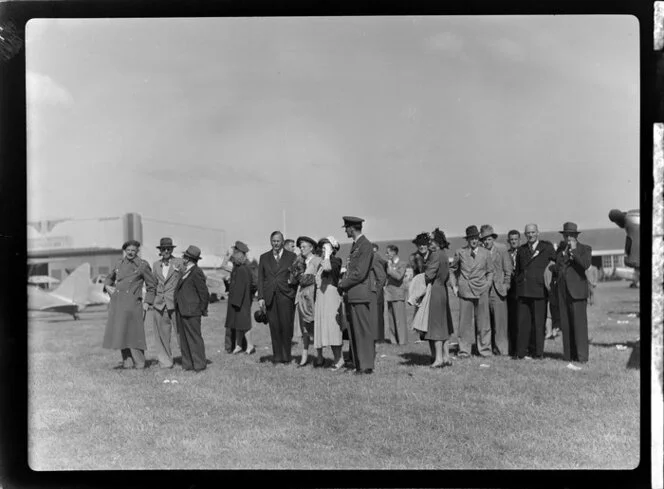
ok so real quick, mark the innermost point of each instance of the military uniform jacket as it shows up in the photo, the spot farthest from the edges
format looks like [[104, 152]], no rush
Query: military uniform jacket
[[357, 280], [572, 266], [165, 297], [530, 266]]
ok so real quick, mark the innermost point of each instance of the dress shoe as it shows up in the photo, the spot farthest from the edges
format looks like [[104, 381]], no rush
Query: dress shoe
[[337, 366], [366, 371], [238, 349], [251, 350], [319, 363]]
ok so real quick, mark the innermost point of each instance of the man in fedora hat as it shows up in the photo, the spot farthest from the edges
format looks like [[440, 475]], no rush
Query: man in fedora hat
[[471, 276], [240, 295], [357, 286], [191, 302], [572, 261], [167, 271], [502, 276], [531, 261], [277, 297]]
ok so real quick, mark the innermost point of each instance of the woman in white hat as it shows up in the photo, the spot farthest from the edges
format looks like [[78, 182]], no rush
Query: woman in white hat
[[327, 329]]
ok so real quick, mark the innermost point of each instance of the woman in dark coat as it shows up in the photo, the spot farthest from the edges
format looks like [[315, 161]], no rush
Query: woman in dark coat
[[240, 295], [440, 328]]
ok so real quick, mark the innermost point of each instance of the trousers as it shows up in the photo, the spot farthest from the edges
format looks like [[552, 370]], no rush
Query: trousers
[[280, 316], [362, 336], [163, 322], [474, 325], [532, 316], [191, 343], [498, 318], [397, 327]]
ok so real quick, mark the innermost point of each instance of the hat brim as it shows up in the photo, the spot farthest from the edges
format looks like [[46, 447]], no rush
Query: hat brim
[[185, 254], [167, 246], [494, 236], [570, 232], [471, 236], [301, 240]]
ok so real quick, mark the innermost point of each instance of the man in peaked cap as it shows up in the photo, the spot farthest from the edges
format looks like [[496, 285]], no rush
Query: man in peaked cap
[[240, 295], [191, 302], [572, 261], [357, 286], [167, 271], [471, 276], [532, 259], [502, 276]]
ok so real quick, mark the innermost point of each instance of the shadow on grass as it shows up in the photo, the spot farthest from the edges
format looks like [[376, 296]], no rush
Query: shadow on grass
[[553, 355], [634, 361], [415, 359]]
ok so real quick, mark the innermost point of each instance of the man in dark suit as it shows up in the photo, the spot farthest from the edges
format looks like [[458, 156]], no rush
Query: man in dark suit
[[277, 297], [572, 261], [531, 260], [378, 279], [357, 285], [191, 302]]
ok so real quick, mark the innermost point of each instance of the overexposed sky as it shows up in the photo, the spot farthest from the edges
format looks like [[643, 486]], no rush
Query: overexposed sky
[[409, 122]]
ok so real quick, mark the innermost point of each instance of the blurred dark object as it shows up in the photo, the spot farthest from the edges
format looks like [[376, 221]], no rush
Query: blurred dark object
[[630, 221]]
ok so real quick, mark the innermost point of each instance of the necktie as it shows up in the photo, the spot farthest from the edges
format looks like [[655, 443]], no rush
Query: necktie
[[473, 253], [276, 257]]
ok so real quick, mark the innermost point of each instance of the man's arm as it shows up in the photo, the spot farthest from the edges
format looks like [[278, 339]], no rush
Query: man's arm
[[454, 270], [508, 269], [150, 283], [202, 290], [581, 257], [261, 278]]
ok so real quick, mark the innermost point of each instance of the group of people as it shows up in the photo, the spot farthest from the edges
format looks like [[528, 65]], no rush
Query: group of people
[[502, 291]]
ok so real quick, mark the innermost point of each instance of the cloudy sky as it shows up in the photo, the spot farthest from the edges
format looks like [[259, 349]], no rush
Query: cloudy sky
[[408, 122]]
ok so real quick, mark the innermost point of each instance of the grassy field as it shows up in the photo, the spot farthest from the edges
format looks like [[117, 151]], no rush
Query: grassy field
[[243, 412]]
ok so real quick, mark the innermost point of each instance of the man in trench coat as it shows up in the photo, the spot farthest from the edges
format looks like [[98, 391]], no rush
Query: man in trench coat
[[125, 330]]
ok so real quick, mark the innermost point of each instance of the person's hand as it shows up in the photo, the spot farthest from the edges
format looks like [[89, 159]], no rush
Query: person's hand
[[572, 243], [261, 304], [146, 306], [110, 289]]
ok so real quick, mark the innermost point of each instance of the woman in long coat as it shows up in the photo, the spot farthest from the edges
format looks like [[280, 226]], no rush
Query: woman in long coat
[[304, 274], [124, 327], [327, 330], [440, 327], [240, 295]]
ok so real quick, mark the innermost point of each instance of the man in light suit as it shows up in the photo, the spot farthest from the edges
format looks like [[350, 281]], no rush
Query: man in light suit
[[191, 302], [572, 261], [277, 297], [531, 260], [395, 296], [357, 286], [167, 271], [502, 276], [378, 279], [471, 276]]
